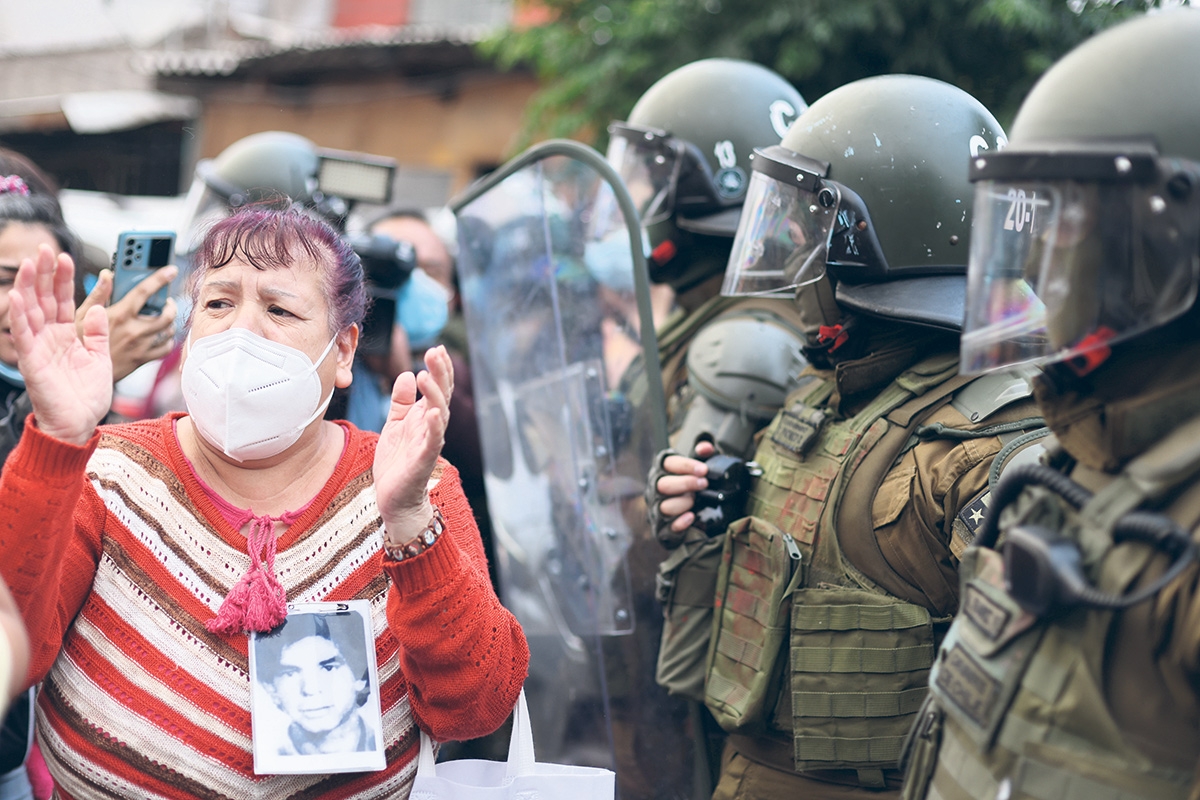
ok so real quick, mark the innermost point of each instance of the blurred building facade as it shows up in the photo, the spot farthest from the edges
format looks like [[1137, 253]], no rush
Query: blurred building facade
[[124, 96]]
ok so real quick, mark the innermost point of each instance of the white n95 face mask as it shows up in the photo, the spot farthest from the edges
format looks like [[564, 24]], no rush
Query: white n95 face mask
[[248, 396]]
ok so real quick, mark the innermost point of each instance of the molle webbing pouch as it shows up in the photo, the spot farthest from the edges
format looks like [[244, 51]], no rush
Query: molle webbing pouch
[[686, 583], [1022, 703], [1041, 772], [918, 759], [800, 456], [859, 671], [1055, 740], [1045, 772], [978, 672], [760, 569]]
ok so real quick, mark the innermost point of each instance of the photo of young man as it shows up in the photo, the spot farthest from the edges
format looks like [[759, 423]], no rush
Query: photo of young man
[[316, 669]]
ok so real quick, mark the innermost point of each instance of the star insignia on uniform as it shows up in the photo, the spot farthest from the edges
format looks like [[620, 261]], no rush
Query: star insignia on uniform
[[972, 516]]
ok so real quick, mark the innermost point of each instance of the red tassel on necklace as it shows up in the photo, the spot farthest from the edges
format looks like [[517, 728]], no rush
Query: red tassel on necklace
[[257, 601]]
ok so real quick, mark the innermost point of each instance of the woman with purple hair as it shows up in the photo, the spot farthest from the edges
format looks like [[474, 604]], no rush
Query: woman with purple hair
[[142, 555]]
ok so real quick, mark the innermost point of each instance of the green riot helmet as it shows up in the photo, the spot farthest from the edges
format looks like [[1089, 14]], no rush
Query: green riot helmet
[[259, 166], [263, 164], [1087, 229], [684, 154], [869, 186]]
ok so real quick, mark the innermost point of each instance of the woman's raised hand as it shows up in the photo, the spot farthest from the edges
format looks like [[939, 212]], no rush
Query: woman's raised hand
[[409, 446], [69, 380]]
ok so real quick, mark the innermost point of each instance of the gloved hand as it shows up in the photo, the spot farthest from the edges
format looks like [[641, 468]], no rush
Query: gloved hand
[[671, 492]]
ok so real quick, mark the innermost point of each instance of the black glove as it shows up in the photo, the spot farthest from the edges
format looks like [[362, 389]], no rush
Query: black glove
[[715, 507], [659, 523]]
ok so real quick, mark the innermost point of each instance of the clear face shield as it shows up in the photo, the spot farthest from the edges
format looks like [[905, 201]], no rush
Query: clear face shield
[[649, 162], [786, 225], [202, 208], [1103, 248]]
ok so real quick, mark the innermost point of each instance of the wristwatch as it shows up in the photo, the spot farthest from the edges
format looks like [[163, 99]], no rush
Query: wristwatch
[[423, 542]]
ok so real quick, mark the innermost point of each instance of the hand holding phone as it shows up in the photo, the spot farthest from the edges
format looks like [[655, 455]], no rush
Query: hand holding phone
[[139, 254]]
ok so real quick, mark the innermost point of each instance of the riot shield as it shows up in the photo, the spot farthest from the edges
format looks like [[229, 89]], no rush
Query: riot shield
[[556, 299]]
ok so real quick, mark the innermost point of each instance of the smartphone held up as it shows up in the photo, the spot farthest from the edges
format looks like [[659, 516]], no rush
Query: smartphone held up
[[138, 254]]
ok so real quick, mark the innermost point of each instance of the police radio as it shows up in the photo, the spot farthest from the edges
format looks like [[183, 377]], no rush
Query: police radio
[[725, 498], [1044, 571]]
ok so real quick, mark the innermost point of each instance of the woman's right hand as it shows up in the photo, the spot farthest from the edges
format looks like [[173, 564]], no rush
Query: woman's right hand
[[678, 489], [68, 377]]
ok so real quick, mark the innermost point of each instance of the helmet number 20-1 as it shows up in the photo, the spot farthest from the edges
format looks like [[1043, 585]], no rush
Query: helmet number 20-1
[[1021, 209]]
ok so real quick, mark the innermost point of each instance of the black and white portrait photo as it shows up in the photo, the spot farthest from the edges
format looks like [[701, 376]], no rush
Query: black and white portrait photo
[[315, 705]]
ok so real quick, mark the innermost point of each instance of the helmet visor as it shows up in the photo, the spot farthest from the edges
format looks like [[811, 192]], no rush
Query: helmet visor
[[649, 164], [783, 236], [203, 208], [1061, 268]]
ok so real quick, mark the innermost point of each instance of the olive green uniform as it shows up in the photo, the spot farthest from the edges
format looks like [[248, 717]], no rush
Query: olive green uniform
[[836, 589], [1085, 703], [642, 768]]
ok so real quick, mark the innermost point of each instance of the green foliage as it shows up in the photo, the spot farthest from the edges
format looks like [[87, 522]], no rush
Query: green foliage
[[598, 56]]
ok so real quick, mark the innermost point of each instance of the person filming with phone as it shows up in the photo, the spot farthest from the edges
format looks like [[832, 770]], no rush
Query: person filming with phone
[[30, 218], [143, 554]]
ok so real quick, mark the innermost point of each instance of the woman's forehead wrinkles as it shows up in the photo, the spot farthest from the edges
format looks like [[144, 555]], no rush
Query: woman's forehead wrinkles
[[268, 289]]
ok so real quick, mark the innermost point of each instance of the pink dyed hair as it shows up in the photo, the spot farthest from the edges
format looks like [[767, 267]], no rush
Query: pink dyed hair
[[269, 237]]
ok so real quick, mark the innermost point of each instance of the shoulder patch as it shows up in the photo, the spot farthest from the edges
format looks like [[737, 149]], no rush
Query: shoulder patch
[[988, 615], [967, 523]]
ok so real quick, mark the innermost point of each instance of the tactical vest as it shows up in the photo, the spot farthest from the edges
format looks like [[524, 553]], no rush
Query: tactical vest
[[817, 639], [1017, 708], [686, 578]]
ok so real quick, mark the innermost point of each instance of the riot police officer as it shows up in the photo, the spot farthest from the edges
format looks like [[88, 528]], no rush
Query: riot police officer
[[684, 154], [836, 585], [1072, 671]]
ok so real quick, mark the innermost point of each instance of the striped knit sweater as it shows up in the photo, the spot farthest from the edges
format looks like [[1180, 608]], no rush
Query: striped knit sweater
[[117, 558]]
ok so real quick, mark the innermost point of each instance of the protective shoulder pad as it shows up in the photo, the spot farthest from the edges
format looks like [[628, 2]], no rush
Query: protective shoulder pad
[[746, 361], [989, 393]]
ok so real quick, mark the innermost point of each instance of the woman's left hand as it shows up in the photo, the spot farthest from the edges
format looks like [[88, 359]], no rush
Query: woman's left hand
[[409, 446]]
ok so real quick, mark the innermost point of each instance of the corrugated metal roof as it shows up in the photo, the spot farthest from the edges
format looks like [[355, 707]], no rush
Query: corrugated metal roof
[[193, 62], [223, 62]]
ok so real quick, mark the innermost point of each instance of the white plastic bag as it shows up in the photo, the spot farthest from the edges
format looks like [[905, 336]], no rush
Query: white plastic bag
[[520, 778]]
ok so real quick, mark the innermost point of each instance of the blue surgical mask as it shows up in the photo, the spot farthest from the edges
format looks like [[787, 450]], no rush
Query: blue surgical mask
[[422, 308], [610, 261], [11, 374]]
